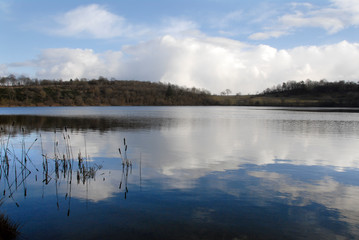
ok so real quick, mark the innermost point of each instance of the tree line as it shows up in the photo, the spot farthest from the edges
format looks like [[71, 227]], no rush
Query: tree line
[[317, 93], [22, 91], [312, 87]]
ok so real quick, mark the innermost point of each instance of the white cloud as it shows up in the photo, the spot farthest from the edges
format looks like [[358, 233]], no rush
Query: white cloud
[[211, 63], [305, 5], [218, 63], [267, 35], [68, 63], [350, 6], [95, 21], [338, 15], [321, 19], [228, 19], [175, 26]]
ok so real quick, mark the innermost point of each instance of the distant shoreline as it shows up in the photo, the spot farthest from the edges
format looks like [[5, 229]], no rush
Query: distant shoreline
[[102, 92]]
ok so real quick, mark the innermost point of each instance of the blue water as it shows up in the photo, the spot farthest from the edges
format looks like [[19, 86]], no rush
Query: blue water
[[194, 172]]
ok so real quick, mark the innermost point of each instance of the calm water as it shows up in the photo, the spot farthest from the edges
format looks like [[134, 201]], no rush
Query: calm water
[[188, 172]]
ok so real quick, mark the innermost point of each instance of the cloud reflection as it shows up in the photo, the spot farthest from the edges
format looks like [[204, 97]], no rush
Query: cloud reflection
[[182, 145], [325, 191]]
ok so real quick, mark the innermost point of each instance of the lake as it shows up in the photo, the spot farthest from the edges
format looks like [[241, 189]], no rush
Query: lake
[[180, 172]]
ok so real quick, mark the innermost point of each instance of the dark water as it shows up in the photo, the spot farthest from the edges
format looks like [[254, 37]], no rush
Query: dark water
[[191, 172]]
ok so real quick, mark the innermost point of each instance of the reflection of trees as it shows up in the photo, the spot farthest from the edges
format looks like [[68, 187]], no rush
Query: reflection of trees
[[50, 123], [315, 127]]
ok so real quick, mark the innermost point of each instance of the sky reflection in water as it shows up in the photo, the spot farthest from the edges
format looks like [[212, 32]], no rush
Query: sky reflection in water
[[201, 172]]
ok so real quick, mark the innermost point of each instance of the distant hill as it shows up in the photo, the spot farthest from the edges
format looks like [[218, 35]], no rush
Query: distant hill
[[101, 92], [22, 91], [317, 93]]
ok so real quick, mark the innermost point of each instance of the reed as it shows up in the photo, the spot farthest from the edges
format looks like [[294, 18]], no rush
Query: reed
[[66, 170], [125, 160], [16, 165], [126, 166]]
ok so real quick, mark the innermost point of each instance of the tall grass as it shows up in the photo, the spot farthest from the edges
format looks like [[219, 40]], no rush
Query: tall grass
[[58, 167], [126, 166], [16, 165]]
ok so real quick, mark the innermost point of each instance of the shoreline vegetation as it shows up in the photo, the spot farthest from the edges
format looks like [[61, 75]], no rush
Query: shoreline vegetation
[[61, 167], [23, 91]]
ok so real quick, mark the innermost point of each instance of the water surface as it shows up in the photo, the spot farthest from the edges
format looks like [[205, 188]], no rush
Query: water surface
[[192, 172]]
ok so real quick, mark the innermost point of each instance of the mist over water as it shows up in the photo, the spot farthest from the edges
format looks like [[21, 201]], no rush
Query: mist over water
[[195, 172]]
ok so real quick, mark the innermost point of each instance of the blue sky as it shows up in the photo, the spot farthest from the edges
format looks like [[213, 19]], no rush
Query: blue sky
[[245, 46]]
